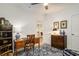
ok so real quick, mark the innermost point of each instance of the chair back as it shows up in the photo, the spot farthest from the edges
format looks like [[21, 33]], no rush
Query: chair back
[[31, 38]]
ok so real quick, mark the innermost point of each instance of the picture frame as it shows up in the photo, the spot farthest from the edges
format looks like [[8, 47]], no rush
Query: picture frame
[[63, 24], [56, 25]]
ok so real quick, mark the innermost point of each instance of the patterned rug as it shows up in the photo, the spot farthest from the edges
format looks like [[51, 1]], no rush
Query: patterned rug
[[45, 50]]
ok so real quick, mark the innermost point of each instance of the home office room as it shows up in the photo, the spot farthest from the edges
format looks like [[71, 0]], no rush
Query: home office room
[[39, 29]]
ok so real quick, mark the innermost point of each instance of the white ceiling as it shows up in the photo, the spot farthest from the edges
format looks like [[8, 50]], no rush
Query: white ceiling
[[25, 7]]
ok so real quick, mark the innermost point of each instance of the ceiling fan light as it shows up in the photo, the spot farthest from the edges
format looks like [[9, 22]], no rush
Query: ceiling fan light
[[45, 4], [46, 7]]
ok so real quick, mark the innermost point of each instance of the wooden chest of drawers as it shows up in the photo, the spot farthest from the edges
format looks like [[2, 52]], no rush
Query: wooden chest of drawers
[[58, 41]]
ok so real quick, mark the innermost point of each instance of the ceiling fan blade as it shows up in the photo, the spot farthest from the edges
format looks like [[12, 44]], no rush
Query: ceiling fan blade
[[34, 3]]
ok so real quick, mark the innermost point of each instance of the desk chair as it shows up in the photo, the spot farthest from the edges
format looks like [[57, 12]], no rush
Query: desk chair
[[29, 44]]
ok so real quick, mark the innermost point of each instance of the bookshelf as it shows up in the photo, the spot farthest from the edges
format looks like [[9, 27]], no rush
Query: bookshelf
[[5, 37]]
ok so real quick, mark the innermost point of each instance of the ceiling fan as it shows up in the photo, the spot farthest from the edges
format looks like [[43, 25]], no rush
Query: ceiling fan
[[45, 5]]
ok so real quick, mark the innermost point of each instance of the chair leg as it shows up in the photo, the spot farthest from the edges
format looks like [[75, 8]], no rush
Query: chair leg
[[26, 52]]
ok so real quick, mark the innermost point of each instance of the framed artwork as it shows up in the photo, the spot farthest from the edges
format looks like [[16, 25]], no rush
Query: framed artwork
[[63, 24], [56, 25]]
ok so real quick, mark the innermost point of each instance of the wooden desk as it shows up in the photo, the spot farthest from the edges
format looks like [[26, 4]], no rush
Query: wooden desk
[[19, 44]]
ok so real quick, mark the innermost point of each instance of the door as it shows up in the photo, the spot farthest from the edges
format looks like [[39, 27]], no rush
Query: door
[[75, 32]]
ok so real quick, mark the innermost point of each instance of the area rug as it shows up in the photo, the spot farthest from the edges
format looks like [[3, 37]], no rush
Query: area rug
[[45, 50]]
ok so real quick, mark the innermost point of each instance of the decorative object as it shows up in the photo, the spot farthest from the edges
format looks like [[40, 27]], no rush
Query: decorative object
[[60, 32], [56, 25], [54, 29], [63, 24], [2, 20], [63, 32], [41, 33], [39, 29]]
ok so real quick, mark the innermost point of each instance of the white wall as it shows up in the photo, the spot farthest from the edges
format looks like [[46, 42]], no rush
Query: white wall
[[23, 17]]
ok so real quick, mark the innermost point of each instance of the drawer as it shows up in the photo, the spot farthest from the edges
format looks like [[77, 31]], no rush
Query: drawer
[[60, 40]]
